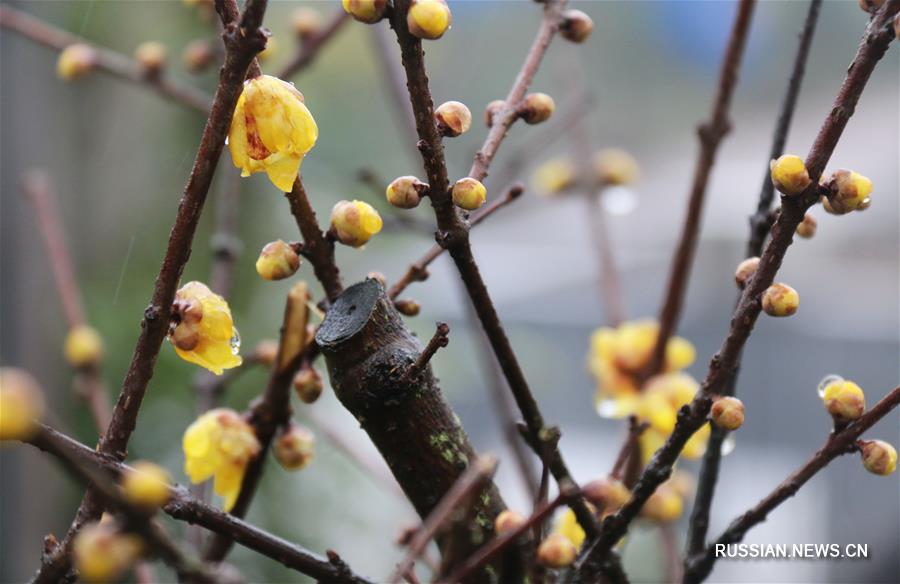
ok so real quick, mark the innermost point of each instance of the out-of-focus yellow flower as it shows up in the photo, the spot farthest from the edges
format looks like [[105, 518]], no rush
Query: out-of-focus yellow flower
[[567, 526], [878, 456], [429, 19], [664, 505], [270, 51], [75, 61], [607, 494], [355, 222], [295, 448], [306, 22], [614, 166], [271, 131], [202, 330], [368, 11], [146, 485], [789, 174], [151, 55], [83, 346], [103, 553], [508, 520], [21, 404], [220, 444], [556, 551], [554, 176]]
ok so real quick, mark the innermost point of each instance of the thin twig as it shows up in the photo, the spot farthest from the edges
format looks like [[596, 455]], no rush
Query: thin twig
[[317, 247], [309, 50], [243, 42], [106, 60], [439, 340], [467, 485], [629, 445], [872, 48], [760, 222], [711, 134], [185, 508], [837, 444]]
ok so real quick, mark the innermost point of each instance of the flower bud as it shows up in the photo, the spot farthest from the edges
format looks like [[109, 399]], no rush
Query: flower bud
[[408, 307], [870, 6], [607, 495], [614, 166], [453, 118], [295, 448], [848, 191], [745, 271], [556, 551], [428, 19], [507, 521], [789, 174], [266, 351], [368, 11], [492, 110], [537, 108], [780, 300], [83, 347], [146, 485], [75, 61], [308, 385], [102, 553], [727, 413], [663, 506], [306, 22], [554, 176], [277, 260], [844, 400], [469, 194], [197, 56], [21, 404], [151, 55], [878, 456], [575, 26], [807, 228], [406, 192], [355, 222]]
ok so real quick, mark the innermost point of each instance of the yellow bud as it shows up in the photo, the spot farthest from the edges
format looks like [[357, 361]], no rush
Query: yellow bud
[[567, 526], [266, 351], [789, 174], [844, 400], [146, 485], [554, 176], [556, 551], [469, 194], [197, 55], [607, 495], [270, 51], [508, 521], [83, 347], [807, 228], [368, 11], [75, 61], [878, 457], [537, 108], [306, 22], [429, 19], [277, 260], [151, 55], [355, 222], [308, 385], [575, 26], [614, 166], [728, 413], [408, 307], [492, 110], [295, 448], [780, 300], [405, 192], [663, 506], [102, 553], [21, 404], [849, 190], [453, 118]]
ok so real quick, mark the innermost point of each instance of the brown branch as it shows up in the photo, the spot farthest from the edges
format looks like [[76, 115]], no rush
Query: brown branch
[[872, 48], [185, 508], [309, 50], [711, 134], [468, 485], [418, 270], [317, 247], [629, 447], [837, 444], [760, 223], [243, 42], [106, 60], [439, 340]]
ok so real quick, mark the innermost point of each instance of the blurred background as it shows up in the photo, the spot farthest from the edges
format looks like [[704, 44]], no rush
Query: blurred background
[[120, 155]]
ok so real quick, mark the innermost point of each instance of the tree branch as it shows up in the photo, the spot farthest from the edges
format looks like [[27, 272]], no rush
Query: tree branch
[[760, 223]]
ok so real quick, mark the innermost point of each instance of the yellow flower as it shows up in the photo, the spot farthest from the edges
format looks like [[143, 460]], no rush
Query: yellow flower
[[554, 176], [75, 61], [429, 19], [146, 485], [271, 130], [21, 404], [567, 526], [355, 222], [103, 553], [83, 346], [220, 444], [614, 166], [556, 551], [202, 330], [664, 505], [789, 174]]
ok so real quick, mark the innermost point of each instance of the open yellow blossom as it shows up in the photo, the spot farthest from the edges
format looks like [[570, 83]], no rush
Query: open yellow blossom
[[202, 330], [83, 346], [554, 176], [272, 130], [21, 404], [220, 444], [355, 222], [567, 526], [102, 553]]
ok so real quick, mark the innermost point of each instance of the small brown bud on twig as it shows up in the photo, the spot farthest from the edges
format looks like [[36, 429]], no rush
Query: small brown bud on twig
[[453, 118], [408, 307], [277, 260], [537, 108], [306, 22], [745, 271], [197, 56], [492, 110], [406, 192], [727, 413], [152, 56], [308, 385], [575, 26], [807, 228]]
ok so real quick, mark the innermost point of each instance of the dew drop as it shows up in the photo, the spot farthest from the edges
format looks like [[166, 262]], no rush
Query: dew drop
[[619, 200], [826, 381], [728, 445], [608, 408], [235, 341]]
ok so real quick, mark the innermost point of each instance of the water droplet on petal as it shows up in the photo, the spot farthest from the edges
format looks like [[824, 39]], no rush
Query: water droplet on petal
[[826, 381], [729, 444], [619, 200], [235, 341]]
